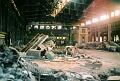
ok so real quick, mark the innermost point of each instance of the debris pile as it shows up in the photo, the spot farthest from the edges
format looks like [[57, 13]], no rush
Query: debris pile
[[116, 45], [14, 68], [114, 71], [89, 45], [94, 64], [41, 48], [10, 69], [109, 46]]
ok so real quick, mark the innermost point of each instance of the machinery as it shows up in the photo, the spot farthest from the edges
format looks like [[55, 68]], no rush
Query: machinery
[[38, 47], [35, 41]]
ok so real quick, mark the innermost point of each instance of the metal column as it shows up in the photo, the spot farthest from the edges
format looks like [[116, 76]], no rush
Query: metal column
[[109, 32]]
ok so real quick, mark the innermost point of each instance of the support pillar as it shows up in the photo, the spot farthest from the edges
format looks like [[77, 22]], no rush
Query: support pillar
[[79, 35], [98, 35], [1, 15], [109, 32], [95, 35]]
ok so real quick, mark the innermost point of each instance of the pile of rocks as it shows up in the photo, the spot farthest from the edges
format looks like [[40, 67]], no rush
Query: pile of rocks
[[114, 71], [13, 68], [10, 68]]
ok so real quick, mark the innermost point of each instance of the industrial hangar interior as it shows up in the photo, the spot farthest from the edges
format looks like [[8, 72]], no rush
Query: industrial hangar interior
[[59, 40]]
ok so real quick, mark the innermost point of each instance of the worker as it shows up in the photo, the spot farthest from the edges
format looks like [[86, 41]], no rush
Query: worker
[[43, 52]]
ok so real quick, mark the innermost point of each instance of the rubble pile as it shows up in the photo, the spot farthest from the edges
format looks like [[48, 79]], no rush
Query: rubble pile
[[116, 45], [94, 64], [10, 69], [101, 46], [114, 71], [89, 45], [109, 46], [14, 68]]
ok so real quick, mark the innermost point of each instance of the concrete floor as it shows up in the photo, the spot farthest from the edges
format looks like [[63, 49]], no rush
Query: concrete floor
[[108, 59], [104, 55]]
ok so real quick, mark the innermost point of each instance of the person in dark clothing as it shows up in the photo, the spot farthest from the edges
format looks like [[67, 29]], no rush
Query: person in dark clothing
[[43, 53]]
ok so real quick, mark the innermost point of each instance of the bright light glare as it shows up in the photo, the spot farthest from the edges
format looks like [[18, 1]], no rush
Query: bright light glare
[[95, 20], [67, 0], [82, 24], [88, 22], [104, 17], [59, 27], [47, 27], [41, 27], [53, 27], [36, 26], [57, 37], [74, 27], [117, 12], [112, 14], [64, 37]]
